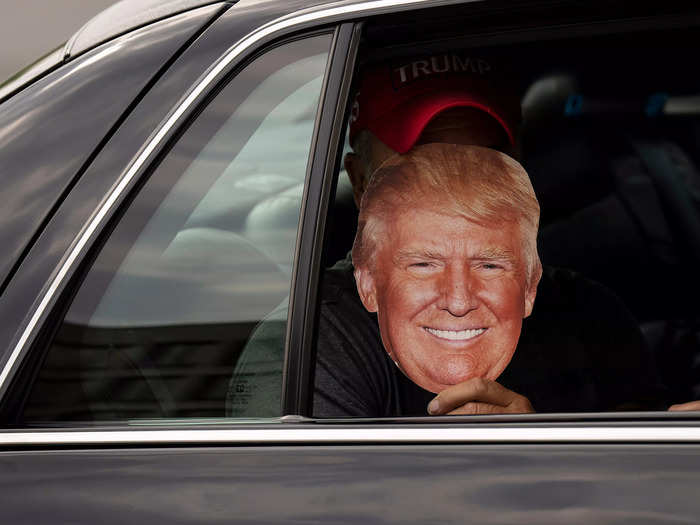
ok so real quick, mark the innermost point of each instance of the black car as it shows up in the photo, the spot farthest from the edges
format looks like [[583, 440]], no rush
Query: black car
[[172, 182]]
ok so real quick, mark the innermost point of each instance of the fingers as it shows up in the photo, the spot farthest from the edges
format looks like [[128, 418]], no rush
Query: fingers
[[476, 389], [479, 396], [685, 407]]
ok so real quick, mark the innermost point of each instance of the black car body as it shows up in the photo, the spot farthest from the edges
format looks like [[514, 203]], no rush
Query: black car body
[[102, 126]]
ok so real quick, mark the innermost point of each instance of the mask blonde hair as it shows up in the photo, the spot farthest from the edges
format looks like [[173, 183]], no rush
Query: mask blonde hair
[[480, 184]]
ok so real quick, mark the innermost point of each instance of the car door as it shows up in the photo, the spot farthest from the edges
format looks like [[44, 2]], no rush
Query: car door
[[126, 436]]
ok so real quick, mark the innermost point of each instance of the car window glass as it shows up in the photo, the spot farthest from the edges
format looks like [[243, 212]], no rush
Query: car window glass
[[202, 254]]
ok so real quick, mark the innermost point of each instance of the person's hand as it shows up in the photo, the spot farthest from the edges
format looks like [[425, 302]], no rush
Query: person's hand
[[685, 407], [479, 396]]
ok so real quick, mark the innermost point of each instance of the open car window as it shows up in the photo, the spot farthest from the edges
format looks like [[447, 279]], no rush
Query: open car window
[[611, 151]]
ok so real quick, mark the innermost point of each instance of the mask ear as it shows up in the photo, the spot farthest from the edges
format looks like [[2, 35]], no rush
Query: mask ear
[[366, 288], [356, 173], [532, 290]]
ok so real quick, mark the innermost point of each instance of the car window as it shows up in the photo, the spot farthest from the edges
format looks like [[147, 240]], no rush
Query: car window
[[202, 254], [611, 153]]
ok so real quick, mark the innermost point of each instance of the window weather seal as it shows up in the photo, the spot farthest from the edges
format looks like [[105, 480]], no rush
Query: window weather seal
[[297, 385]]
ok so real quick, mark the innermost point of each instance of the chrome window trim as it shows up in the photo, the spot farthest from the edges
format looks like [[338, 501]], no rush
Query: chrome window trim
[[319, 14], [424, 434]]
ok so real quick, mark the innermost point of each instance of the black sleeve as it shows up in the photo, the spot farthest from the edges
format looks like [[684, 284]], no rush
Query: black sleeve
[[351, 377], [625, 371]]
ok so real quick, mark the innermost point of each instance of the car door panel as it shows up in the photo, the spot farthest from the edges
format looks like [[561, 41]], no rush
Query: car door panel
[[515, 483]]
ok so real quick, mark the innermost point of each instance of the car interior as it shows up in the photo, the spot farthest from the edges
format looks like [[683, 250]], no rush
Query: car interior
[[610, 141], [610, 138]]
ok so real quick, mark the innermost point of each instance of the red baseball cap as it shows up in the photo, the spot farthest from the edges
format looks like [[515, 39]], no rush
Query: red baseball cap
[[396, 101]]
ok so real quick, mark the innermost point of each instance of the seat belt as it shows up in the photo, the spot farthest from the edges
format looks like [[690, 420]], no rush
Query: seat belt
[[677, 182]]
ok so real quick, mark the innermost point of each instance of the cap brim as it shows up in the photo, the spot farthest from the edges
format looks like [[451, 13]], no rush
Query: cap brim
[[400, 127]]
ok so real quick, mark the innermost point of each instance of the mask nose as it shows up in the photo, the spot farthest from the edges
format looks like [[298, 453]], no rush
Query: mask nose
[[458, 295]]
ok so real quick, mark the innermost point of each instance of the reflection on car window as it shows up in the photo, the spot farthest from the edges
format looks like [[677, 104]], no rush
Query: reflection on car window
[[202, 254]]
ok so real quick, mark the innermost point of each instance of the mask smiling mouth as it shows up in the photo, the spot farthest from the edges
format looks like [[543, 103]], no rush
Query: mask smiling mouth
[[455, 335]]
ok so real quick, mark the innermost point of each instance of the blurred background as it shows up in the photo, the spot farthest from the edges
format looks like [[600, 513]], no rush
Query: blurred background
[[31, 28]]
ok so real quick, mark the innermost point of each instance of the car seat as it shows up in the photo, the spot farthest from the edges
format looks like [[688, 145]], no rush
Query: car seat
[[620, 203]]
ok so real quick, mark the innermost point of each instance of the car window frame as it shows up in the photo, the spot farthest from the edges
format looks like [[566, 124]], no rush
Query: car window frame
[[325, 158]]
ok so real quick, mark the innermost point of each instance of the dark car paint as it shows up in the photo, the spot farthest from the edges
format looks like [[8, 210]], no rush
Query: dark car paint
[[355, 484], [125, 17], [65, 116], [417, 483]]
